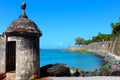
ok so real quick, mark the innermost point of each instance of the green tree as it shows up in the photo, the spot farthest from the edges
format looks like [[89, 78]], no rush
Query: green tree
[[87, 42], [101, 37], [79, 41], [115, 28]]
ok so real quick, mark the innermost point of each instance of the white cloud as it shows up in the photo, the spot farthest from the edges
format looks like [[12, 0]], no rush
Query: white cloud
[[60, 43]]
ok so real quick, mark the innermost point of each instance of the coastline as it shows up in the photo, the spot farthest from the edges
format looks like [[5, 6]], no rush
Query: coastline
[[105, 70], [111, 62]]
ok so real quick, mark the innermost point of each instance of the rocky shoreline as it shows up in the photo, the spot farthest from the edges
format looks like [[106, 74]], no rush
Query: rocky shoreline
[[111, 67]]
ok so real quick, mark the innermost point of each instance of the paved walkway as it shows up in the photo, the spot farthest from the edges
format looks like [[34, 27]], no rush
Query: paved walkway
[[86, 78], [116, 57]]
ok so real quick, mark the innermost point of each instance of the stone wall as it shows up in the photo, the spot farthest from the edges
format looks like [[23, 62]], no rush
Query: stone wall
[[27, 57], [112, 46], [98, 46], [2, 53], [115, 45], [93, 47], [75, 48]]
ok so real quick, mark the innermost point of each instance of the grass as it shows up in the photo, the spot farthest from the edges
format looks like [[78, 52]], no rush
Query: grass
[[78, 51], [106, 67]]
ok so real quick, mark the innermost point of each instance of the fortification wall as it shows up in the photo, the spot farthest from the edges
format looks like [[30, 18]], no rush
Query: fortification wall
[[75, 48], [2, 53], [93, 47], [98, 47], [115, 45]]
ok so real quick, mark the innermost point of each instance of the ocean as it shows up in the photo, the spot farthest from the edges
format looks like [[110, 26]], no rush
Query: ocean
[[82, 61]]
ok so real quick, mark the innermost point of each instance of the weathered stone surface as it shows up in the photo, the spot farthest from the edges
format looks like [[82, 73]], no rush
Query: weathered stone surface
[[2, 53], [115, 73], [75, 48], [43, 70], [19, 48], [116, 45], [2, 76], [93, 47], [98, 46], [75, 72], [104, 72], [23, 26], [58, 70], [27, 56]]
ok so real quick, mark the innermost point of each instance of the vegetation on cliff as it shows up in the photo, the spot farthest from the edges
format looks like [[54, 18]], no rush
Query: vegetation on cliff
[[102, 37], [115, 28], [79, 41], [99, 38], [77, 51], [116, 38]]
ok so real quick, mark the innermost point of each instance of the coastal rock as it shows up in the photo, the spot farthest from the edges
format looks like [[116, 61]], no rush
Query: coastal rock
[[61, 70], [43, 70], [115, 73], [75, 72], [60, 64], [96, 72], [114, 67], [2, 76], [104, 72], [58, 70], [88, 73]]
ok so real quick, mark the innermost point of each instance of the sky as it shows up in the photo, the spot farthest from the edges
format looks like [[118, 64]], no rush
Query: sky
[[61, 21]]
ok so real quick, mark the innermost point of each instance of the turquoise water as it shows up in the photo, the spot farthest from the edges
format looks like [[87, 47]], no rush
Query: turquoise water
[[83, 61]]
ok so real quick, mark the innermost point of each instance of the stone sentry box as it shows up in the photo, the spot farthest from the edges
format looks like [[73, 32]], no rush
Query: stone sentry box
[[19, 48]]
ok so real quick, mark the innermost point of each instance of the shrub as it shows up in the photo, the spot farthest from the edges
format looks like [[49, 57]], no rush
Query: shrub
[[106, 67]]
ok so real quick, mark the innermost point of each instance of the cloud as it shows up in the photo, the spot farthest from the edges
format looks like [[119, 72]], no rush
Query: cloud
[[60, 43]]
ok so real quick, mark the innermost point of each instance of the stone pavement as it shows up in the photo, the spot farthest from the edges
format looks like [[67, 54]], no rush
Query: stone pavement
[[86, 78], [11, 76]]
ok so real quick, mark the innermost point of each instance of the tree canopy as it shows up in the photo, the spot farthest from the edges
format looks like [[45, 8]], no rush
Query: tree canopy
[[101, 37], [87, 42], [79, 41], [115, 28]]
